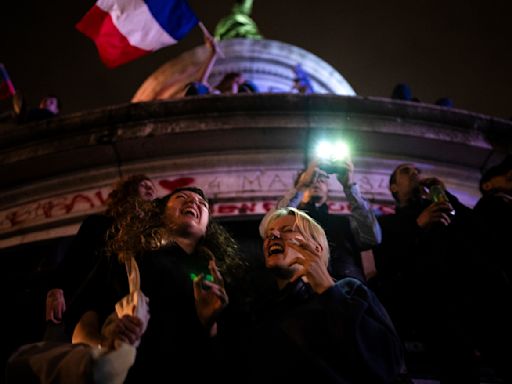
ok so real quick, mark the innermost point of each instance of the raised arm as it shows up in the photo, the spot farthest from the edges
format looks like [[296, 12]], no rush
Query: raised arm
[[363, 222], [210, 42]]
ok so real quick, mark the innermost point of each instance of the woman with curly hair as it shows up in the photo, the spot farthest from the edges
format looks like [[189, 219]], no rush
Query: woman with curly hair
[[187, 265], [87, 250]]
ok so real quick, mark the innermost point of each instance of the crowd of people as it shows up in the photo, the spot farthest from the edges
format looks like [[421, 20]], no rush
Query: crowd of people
[[155, 283]]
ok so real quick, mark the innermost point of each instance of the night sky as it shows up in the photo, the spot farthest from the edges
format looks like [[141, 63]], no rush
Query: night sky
[[460, 49]]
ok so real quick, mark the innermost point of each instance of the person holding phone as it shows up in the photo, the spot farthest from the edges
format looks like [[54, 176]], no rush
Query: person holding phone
[[348, 235]]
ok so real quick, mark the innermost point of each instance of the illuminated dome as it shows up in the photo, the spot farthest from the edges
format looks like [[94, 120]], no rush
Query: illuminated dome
[[269, 64]]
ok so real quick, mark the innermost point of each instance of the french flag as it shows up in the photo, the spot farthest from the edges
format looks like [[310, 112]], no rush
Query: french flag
[[6, 88], [124, 30]]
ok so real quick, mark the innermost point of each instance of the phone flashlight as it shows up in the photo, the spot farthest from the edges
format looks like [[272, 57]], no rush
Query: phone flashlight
[[332, 151], [331, 154]]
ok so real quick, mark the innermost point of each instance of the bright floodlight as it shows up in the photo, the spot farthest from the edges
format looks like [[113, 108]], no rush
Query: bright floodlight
[[335, 151]]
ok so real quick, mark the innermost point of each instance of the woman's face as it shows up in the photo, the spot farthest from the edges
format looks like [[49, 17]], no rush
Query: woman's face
[[188, 213], [278, 255], [147, 190]]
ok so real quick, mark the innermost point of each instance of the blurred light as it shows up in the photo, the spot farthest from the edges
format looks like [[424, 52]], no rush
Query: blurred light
[[332, 151]]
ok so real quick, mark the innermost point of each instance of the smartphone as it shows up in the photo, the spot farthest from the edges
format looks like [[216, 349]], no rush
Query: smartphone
[[331, 156]]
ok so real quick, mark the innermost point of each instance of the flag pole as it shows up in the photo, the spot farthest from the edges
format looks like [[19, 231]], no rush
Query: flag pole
[[6, 78], [208, 36]]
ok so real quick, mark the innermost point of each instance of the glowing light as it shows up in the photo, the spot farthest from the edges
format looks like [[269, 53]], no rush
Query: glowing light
[[207, 277], [332, 151]]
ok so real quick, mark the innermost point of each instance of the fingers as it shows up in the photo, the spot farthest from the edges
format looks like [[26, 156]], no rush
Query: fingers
[[131, 324], [441, 217], [312, 166], [129, 329], [216, 290], [303, 248], [440, 212], [49, 312], [308, 177], [55, 308], [435, 213], [57, 312], [198, 285], [299, 273], [214, 270], [204, 289], [310, 265]]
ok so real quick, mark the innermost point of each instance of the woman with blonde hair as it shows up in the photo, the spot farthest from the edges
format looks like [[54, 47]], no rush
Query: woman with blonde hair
[[313, 328]]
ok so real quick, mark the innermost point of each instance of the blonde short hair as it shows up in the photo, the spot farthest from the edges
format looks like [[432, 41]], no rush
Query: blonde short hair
[[307, 226]]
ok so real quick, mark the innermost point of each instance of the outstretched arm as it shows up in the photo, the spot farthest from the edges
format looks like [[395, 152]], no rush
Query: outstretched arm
[[363, 223], [210, 42], [293, 196]]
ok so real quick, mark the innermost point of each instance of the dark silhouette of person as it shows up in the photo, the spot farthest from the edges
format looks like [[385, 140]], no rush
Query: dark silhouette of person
[[444, 102], [49, 107], [493, 267], [402, 91], [85, 253], [423, 274]]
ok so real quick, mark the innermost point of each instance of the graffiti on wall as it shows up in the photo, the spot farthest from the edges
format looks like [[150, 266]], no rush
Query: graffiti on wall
[[233, 193]]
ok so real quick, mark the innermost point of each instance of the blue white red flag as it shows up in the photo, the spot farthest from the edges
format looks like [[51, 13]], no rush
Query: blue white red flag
[[124, 30], [6, 87]]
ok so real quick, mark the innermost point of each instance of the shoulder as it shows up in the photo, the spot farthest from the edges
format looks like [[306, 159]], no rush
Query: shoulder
[[94, 226], [349, 287], [96, 221], [36, 114], [350, 284], [494, 200]]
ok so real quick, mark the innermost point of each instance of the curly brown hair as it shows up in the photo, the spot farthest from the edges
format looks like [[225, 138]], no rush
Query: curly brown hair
[[124, 205], [125, 193], [150, 231]]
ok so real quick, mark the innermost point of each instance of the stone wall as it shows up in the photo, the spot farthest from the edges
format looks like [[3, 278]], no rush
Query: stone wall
[[244, 150]]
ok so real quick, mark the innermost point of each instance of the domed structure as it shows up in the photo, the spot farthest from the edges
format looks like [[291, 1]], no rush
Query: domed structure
[[269, 64]]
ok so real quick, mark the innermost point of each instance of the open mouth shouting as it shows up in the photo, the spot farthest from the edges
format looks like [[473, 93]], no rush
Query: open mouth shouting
[[191, 211]]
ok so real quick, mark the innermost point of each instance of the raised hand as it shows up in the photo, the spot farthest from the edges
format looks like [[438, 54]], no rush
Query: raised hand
[[128, 329], [314, 268], [210, 297], [308, 177], [435, 213], [129, 322], [345, 172], [55, 305]]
